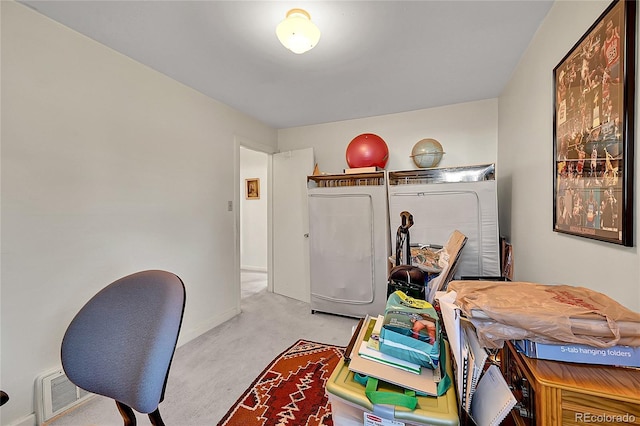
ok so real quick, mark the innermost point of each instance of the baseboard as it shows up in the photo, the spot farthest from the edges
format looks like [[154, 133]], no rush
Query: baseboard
[[253, 269], [28, 420]]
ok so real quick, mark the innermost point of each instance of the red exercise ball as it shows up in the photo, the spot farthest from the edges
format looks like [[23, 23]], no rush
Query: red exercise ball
[[367, 150]]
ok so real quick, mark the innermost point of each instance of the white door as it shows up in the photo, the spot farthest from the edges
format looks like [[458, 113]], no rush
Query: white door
[[291, 223]]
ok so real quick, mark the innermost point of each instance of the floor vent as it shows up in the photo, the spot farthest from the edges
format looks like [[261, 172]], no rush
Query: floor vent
[[55, 394]]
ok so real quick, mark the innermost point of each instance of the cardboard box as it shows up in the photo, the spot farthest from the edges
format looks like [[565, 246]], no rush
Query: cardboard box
[[623, 356]]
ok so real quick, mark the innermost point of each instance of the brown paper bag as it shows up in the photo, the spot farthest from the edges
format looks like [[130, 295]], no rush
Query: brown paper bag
[[545, 313]]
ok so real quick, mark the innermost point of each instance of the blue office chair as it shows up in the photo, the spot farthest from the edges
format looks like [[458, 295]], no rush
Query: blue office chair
[[122, 341]]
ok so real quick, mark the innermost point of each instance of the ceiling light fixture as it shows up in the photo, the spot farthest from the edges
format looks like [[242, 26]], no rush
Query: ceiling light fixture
[[297, 33]]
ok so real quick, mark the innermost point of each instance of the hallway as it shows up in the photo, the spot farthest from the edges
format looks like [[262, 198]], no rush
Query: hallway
[[252, 282]]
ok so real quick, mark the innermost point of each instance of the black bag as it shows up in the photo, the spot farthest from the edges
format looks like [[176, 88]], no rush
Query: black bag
[[410, 280]]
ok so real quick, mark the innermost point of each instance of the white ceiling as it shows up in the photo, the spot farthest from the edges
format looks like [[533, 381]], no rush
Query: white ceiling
[[374, 57]]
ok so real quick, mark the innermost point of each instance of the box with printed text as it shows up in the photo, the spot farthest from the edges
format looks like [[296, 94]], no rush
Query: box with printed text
[[622, 356]]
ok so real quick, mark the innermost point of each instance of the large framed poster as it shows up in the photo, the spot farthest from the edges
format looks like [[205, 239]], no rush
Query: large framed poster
[[593, 134]]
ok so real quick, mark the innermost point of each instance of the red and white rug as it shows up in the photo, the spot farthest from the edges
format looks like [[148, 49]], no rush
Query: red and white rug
[[290, 391]]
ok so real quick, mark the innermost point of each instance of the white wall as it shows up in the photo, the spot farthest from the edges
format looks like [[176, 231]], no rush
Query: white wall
[[525, 156], [108, 168], [467, 132], [253, 213]]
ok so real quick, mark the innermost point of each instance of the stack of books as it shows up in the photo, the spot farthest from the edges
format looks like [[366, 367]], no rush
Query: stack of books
[[363, 358], [370, 349]]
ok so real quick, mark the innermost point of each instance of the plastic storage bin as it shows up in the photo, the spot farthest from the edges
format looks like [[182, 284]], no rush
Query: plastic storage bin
[[349, 403]]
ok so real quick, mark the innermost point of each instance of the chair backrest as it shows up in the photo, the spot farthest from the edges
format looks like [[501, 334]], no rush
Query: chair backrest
[[122, 341]]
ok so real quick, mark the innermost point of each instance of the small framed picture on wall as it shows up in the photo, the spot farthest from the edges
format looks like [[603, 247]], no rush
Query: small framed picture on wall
[[252, 188]]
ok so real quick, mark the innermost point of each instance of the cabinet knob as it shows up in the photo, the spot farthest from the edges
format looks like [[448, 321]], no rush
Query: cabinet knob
[[306, 235]]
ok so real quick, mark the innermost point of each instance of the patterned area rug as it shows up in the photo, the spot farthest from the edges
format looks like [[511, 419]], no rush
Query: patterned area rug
[[290, 391]]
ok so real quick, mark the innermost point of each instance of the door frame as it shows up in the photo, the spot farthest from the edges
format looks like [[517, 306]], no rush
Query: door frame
[[239, 141]]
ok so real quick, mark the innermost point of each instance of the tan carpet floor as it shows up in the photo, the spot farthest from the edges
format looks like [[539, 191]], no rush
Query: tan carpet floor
[[210, 372]]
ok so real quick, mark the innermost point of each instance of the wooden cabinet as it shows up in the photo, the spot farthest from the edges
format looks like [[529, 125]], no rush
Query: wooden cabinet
[[559, 393]]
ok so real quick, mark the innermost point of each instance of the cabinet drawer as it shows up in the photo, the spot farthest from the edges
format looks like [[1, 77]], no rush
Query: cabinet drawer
[[581, 409]]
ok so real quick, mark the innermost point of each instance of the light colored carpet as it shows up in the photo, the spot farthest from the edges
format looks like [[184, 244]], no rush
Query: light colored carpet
[[252, 282], [210, 372]]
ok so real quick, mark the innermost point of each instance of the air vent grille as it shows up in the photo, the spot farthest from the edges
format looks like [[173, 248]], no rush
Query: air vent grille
[[55, 393]]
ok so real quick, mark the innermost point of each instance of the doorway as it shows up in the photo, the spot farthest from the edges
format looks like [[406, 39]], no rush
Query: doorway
[[253, 224], [287, 249]]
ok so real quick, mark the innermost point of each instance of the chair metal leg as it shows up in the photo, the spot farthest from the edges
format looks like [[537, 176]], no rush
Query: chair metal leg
[[155, 418], [127, 414]]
